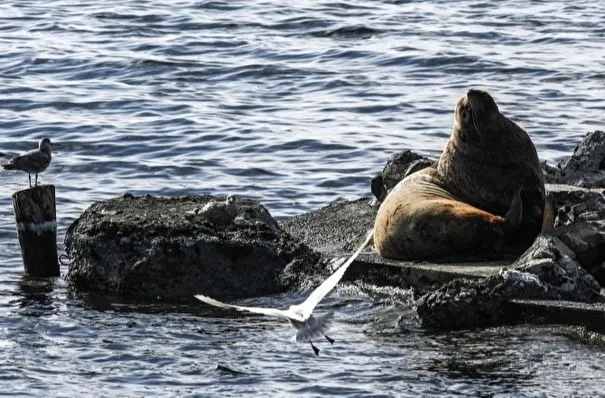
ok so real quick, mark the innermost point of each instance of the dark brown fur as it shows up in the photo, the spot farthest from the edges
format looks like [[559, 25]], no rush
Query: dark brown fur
[[484, 196]]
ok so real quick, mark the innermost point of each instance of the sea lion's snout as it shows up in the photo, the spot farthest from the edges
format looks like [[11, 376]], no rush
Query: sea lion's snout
[[464, 121], [475, 92], [484, 110]]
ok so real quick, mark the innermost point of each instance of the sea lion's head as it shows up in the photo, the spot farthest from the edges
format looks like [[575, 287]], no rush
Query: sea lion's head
[[477, 115]]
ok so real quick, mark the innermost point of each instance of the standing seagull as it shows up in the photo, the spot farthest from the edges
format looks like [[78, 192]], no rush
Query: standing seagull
[[301, 316], [33, 161]]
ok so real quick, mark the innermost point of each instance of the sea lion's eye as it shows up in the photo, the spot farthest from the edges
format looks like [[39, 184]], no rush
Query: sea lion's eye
[[466, 115]]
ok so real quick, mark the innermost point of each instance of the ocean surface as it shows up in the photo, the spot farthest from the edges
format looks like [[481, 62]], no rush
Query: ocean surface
[[297, 104]]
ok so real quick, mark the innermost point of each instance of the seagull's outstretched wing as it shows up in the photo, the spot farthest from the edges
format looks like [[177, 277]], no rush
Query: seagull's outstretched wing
[[257, 310], [307, 307]]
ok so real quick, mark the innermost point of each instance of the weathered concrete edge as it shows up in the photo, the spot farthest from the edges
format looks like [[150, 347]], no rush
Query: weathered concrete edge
[[559, 312], [417, 275]]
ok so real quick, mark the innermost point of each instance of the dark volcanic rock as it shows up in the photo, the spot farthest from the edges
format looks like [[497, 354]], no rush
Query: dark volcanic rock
[[402, 164], [548, 270], [399, 166], [331, 228], [587, 241], [161, 248], [574, 204], [586, 166]]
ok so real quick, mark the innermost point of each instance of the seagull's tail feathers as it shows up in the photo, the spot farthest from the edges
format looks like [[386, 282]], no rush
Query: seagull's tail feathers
[[314, 327], [8, 166]]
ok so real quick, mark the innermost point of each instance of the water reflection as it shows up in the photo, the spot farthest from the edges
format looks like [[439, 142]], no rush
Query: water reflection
[[470, 356], [35, 295]]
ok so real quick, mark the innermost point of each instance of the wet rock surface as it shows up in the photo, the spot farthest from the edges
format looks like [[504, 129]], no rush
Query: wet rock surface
[[330, 229], [164, 248], [575, 204]]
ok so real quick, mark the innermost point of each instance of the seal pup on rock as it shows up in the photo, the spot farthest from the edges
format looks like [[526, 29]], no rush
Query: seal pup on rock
[[308, 326], [34, 161], [220, 213], [484, 197]]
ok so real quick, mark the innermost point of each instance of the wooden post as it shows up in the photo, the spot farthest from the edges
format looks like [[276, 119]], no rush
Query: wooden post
[[35, 214]]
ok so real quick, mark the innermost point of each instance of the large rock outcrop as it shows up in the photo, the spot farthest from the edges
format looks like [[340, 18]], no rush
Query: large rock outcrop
[[152, 247], [164, 248]]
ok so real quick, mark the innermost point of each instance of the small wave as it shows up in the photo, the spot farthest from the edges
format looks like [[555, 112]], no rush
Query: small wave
[[348, 32]]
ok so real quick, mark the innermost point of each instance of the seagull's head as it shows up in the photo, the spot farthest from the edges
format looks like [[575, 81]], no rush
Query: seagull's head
[[299, 311], [44, 144]]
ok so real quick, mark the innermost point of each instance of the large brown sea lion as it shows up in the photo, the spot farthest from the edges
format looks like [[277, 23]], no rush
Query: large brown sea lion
[[484, 197]]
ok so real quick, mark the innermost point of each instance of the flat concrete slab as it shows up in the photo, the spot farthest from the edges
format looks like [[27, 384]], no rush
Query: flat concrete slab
[[372, 268], [591, 316]]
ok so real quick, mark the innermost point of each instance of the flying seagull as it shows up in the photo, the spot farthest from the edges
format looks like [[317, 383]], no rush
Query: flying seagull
[[308, 326], [34, 161]]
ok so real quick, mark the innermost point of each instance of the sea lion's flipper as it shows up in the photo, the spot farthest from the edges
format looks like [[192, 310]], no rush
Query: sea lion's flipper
[[514, 215], [548, 220]]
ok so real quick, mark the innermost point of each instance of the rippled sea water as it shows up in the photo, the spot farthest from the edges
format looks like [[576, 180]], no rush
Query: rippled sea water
[[296, 104]]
